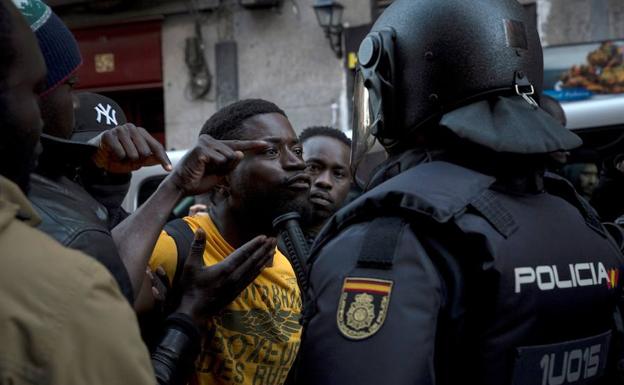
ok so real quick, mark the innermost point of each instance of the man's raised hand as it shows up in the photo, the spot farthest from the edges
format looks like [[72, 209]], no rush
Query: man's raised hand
[[204, 166], [208, 289], [126, 148]]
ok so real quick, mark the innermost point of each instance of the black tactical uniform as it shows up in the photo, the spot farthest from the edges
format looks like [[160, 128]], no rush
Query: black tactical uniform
[[463, 262]]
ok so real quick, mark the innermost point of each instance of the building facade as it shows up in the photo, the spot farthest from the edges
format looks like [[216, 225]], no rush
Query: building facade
[[278, 53], [208, 53]]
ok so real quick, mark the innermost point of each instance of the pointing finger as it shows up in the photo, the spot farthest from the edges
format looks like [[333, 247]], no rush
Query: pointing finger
[[158, 151], [245, 145]]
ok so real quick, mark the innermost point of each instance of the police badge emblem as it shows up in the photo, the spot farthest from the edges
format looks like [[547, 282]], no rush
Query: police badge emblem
[[363, 306]]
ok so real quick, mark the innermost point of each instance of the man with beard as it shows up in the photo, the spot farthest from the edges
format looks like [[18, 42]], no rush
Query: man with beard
[[256, 338], [326, 152]]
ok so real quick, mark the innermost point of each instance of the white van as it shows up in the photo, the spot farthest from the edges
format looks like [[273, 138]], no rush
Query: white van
[[145, 181]]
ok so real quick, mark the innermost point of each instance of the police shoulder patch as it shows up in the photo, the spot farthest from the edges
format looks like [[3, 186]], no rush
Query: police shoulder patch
[[363, 306]]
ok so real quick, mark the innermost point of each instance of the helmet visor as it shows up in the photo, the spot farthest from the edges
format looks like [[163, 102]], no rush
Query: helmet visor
[[363, 138]]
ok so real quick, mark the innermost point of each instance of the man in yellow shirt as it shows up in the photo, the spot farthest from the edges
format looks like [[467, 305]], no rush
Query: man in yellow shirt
[[255, 339]]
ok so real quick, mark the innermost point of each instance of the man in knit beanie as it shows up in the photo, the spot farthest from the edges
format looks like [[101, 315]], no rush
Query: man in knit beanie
[[70, 214], [62, 57]]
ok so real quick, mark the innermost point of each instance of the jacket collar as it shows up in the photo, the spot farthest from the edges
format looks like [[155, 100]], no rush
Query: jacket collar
[[14, 204]]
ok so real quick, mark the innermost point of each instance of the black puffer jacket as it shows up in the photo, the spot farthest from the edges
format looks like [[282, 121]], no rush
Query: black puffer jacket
[[76, 220]]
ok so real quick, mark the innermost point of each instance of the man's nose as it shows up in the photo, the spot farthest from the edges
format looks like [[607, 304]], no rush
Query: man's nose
[[292, 161], [323, 180]]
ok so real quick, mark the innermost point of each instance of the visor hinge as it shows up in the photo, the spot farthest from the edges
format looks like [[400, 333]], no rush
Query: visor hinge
[[525, 89]]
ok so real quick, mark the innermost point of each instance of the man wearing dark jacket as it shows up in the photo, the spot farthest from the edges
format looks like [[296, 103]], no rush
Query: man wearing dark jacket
[[463, 262], [94, 115], [74, 197], [69, 213]]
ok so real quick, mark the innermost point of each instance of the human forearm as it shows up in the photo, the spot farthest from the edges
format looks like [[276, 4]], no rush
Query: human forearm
[[136, 236], [198, 172]]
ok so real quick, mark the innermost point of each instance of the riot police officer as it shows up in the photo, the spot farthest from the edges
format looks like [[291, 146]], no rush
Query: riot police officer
[[463, 262]]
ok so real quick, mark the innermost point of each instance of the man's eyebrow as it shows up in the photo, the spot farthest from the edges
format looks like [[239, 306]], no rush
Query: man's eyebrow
[[323, 162], [315, 160]]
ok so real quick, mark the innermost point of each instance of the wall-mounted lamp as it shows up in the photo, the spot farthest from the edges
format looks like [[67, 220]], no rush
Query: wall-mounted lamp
[[329, 16]]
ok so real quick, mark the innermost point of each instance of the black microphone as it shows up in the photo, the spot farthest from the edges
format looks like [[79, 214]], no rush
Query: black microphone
[[297, 249]]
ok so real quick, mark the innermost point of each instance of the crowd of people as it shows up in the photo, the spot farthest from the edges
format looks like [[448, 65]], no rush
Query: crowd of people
[[463, 260], [215, 280]]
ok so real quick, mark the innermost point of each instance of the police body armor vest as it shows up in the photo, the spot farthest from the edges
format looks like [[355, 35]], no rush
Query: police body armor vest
[[530, 282]]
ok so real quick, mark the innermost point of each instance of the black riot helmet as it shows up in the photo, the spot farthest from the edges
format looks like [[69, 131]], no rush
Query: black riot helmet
[[425, 58]]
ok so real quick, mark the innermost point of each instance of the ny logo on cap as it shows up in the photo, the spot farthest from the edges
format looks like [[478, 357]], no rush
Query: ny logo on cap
[[109, 113]]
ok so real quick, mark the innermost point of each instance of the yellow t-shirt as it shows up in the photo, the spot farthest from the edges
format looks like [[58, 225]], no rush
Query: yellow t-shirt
[[255, 339]]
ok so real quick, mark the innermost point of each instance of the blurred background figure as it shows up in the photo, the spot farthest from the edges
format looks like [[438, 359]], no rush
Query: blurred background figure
[[203, 202], [198, 209], [583, 176], [581, 168], [608, 198]]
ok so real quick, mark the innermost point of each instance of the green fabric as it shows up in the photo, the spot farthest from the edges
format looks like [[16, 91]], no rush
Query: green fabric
[[35, 11]]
